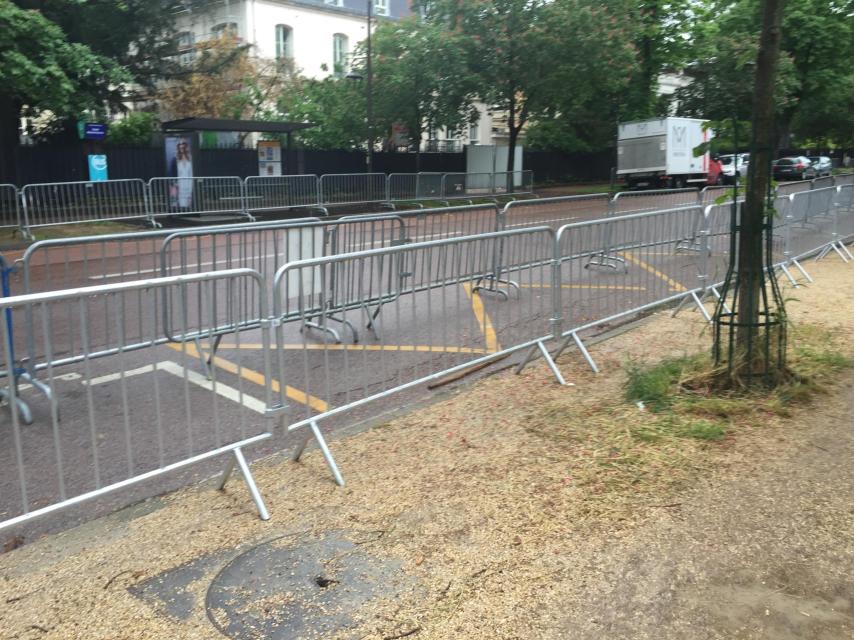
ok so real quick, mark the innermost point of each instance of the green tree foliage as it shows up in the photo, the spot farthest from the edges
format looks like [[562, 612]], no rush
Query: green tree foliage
[[814, 91], [657, 32], [419, 78], [598, 65], [512, 49], [136, 128], [336, 105], [39, 66], [44, 72]]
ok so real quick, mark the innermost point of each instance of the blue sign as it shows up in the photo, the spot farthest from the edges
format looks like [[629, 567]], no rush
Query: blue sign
[[94, 131], [97, 168]]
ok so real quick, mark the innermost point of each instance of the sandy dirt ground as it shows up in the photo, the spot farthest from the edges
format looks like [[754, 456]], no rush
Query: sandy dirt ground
[[510, 508]]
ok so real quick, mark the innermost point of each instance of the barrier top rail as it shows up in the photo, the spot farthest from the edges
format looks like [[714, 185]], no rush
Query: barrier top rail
[[653, 192], [634, 215], [369, 253], [26, 299]]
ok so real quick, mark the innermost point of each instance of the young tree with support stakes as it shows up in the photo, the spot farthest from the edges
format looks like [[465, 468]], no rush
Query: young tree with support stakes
[[750, 319]]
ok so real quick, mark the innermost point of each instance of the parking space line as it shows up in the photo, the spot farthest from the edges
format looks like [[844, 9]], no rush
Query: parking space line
[[646, 267], [420, 348], [257, 378], [64, 376], [483, 320], [175, 369], [110, 377], [618, 287]]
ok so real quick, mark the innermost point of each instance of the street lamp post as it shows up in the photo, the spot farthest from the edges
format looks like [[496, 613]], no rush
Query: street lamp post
[[370, 97], [369, 90]]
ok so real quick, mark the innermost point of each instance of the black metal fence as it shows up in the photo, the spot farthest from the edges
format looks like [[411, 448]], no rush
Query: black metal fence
[[44, 163]]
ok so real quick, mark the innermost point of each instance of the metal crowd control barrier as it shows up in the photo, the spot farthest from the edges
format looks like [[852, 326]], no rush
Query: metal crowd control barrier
[[821, 183], [279, 193], [9, 203], [69, 263], [513, 182], [450, 222], [708, 195], [633, 201], [788, 188], [468, 185], [554, 212], [414, 186], [202, 196], [434, 301], [812, 217], [647, 242], [265, 248], [55, 203], [843, 179], [352, 188], [134, 416]]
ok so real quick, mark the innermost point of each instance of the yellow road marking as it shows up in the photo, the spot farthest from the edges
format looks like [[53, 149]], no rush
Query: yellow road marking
[[421, 348], [482, 319], [253, 376], [646, 267], [618, 287]]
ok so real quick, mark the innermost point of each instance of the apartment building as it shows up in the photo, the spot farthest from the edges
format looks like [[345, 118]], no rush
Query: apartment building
[[318, 35]]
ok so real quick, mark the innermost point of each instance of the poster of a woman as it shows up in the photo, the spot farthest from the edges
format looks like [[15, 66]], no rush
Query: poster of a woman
[[179, 161]]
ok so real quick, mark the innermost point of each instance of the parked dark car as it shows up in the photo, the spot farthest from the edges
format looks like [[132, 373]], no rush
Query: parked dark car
[[823, 165], [794, 168]]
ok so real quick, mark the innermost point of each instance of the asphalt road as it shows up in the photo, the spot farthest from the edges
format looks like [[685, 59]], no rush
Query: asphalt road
[[130, 413]]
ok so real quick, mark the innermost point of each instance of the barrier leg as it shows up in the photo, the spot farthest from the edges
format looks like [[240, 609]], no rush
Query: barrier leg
[[839, 252], [327, 455], [240, 461], [492, 288], [845, 249], [17, 404], [605, 259], [717, 295], [373, 319], [789, 275], [827, 249], [584, 352], [205, 358], [802, 270], [699, 302], [324, 327], [546, 356]]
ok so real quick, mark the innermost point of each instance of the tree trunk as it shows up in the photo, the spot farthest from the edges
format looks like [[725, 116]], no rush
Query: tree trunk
[[750, 247], [514, 133]]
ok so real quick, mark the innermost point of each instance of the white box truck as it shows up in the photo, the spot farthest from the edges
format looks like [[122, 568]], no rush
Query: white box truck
[[659, 154]]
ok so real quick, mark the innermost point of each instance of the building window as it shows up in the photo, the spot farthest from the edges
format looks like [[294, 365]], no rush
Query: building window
[[340, 51], [474, 133], [186, 47], [284, 42], [225, 30], [381, 7]]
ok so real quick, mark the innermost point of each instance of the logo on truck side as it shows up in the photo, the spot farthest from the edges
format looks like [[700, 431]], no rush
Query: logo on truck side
[[680, 141]]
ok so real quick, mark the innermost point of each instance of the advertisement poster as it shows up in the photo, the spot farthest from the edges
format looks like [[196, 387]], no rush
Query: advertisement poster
[[97, 168], [179, 164], [269, 158]]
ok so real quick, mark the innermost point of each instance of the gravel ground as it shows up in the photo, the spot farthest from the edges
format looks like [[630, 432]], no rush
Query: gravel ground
[[515, 509]]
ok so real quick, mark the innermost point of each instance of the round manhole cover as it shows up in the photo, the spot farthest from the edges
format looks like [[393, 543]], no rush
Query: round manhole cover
[[298, 588]]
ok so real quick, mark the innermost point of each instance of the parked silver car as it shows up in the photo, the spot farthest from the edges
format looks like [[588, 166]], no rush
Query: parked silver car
[[734, 166], [822, 164]]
